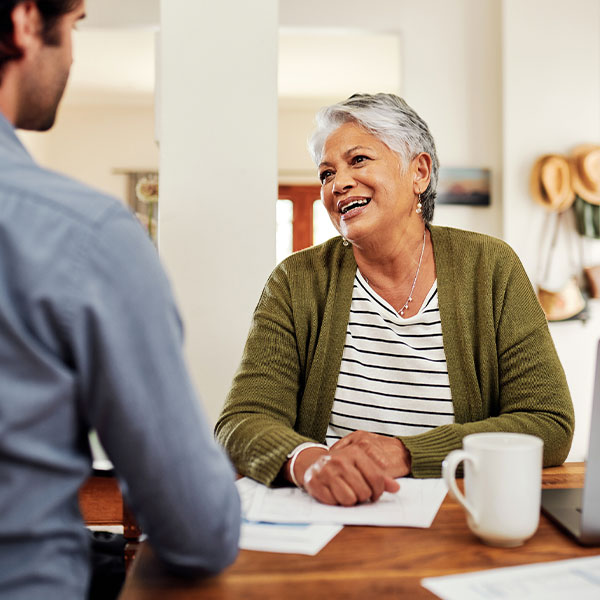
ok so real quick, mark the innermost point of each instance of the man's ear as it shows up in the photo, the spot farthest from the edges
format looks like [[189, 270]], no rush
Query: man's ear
[[27, 25]]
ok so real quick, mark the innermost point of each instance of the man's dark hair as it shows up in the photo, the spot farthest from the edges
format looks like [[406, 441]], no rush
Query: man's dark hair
[[51, 11]]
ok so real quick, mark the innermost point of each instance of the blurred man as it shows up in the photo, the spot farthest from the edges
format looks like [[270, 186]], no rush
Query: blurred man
[[89, 338]]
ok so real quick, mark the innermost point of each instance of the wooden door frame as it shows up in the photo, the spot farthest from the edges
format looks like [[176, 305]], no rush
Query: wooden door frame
[[302, 198]]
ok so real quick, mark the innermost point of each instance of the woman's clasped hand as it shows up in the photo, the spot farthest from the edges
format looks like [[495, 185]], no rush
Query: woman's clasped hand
[[358, 468]]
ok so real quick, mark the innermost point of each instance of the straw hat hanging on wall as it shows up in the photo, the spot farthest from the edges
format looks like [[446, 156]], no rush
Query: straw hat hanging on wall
[[586, 182], [585, 165], [551, 182], [586, 172], [551, 186]]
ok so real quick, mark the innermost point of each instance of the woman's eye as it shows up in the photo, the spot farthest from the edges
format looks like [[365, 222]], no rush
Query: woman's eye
[[325, 175], [358, 159]]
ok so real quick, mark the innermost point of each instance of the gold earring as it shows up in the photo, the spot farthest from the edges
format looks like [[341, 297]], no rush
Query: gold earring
[[344, 241], [419, 208]]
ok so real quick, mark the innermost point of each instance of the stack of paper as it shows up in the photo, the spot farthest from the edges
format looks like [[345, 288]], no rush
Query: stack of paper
[[295, 538], [289, 520], [415, 505]]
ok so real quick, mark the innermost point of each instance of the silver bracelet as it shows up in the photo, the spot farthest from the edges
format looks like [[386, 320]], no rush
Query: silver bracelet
[[294, 455], [292, 464]]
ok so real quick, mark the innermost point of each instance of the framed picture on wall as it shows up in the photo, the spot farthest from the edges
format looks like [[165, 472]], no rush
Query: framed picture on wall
[[465, 186]]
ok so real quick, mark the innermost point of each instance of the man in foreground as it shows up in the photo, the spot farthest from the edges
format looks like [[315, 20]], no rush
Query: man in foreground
[[90, 338]]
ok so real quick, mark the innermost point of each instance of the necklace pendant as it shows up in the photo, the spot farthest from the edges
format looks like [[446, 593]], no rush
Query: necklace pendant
[[414, 283]]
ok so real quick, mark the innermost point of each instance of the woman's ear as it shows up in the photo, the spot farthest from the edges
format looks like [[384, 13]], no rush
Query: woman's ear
[[421, 172]]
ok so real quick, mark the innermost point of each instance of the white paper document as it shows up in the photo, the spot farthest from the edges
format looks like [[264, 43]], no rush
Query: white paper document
[[294, 538], [415, 505], [577, 578]]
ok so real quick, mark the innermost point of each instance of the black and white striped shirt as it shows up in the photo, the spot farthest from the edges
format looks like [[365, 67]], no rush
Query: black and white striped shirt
[[393, 376]]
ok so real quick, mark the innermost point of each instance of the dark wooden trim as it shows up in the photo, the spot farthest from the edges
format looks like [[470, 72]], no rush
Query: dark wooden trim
[[302, 197], [101, 503]]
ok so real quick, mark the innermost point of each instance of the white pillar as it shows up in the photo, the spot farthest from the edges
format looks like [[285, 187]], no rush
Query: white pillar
[[217, 109]]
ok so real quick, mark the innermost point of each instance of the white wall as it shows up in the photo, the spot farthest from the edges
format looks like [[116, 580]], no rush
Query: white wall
[[128, 13], [551, 100], [218, 165], [89, 141], [551, 103], [296, 122]]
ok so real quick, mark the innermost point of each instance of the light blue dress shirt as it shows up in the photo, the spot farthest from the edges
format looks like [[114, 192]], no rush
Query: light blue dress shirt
[[90, 338]]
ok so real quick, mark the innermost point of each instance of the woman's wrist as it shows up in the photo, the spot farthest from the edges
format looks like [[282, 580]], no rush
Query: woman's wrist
[[300, 459], [406, 459]]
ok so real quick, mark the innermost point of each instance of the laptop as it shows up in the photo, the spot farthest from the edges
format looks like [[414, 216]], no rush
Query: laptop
[[577, 510]]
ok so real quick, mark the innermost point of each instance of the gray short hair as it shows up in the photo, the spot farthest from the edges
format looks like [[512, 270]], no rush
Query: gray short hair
[[393, 121]]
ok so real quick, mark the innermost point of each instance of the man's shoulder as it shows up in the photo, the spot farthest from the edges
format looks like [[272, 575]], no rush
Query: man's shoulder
[[37, 188], [42, 209]]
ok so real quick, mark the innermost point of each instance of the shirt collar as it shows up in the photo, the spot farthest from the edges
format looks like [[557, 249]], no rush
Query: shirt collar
[[10, 141]]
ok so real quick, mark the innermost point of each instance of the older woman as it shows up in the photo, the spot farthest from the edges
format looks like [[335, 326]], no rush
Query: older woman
[[372, 355]]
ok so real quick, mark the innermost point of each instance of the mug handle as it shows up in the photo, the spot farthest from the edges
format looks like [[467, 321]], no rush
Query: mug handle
[[449, 467]]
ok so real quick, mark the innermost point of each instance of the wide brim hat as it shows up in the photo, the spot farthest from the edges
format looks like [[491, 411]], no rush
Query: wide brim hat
[[585, 164], [551, 184]]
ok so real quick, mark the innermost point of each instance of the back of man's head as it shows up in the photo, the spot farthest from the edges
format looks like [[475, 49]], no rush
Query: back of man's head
[[35, 58], [50, 10]]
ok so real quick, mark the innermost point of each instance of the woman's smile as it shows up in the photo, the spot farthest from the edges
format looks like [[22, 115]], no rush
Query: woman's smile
[[352, 206]]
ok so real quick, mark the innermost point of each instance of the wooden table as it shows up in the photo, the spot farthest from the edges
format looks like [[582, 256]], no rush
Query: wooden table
[[364, 562], [101, 504]]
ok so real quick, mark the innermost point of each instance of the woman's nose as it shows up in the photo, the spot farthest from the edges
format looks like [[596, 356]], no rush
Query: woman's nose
[[343, 182]]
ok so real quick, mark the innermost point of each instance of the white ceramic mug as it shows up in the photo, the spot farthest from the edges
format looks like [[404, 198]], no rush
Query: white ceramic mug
[[503, 485]]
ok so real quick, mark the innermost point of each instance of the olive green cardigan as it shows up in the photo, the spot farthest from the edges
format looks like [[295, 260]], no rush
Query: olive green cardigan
[[503, 368]]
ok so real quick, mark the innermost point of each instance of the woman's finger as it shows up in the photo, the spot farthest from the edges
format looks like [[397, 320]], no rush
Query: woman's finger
[[338, 473], [373, 475]]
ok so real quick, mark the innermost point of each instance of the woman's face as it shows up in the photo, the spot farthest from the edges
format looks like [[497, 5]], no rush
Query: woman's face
[[363, 185]]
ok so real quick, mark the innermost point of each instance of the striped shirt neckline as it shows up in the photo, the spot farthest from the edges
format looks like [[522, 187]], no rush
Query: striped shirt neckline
[[393, 377]]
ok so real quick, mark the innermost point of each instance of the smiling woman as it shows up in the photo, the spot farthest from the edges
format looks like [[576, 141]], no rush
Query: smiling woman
[[371, 356]]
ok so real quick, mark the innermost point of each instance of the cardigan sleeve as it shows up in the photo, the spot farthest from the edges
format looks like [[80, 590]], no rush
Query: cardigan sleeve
[[256, 425], [514, 382]]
